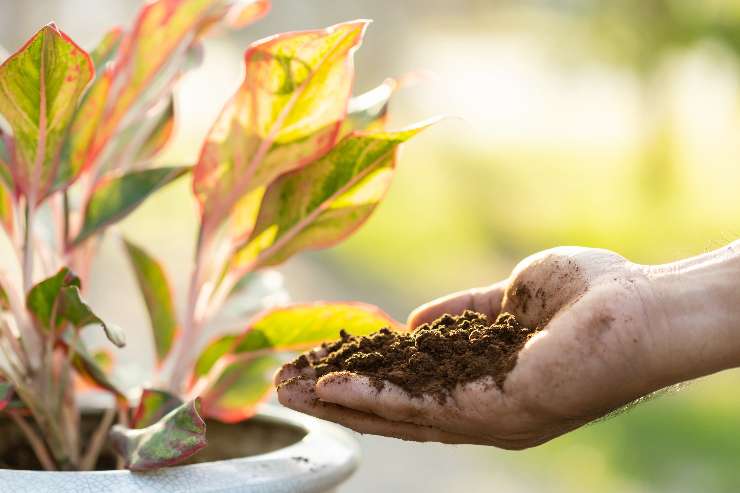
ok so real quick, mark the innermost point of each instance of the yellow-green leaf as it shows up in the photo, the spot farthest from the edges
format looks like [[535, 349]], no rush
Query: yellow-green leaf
[[321, 204], [287, 112], [40, 87], [113, 199], [157, 294], [296, 327]]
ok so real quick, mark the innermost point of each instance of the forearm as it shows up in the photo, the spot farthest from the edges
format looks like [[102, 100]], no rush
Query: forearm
[[699, 304]]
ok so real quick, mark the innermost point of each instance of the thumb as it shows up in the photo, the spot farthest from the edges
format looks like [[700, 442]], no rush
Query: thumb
[[483, 300]]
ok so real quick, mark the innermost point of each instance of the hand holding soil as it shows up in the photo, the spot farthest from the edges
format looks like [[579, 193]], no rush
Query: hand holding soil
[[572, 335]]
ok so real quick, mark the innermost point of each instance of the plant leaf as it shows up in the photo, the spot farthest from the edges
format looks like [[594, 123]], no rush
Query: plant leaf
[[369, 111], [150, 59], [106, 48], [57, 300], [6, 208], [245, 12], [40, 87], [243, 383], [6, 394], [113, 199], [321, 204], [89, 366], [157, 295], [153, 406], [160, 133], [294, 328], [177, 436], [286, 113]]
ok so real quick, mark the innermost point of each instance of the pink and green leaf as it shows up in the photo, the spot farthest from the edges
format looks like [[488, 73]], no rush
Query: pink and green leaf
[[157, 293], [90, 367], [115, 198], [321, 204], [294, 328], [177, 436], [286, 113], [106, 48], [243, 383], [40, 87], [153, 406]]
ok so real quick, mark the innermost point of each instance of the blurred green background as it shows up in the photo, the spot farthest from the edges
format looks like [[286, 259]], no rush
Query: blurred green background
[[611, 124]]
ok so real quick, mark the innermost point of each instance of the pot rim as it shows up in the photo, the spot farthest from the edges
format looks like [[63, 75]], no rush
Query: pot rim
[[326, 456]]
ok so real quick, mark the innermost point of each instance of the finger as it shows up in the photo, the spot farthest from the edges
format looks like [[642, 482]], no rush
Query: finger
[[299, 394], [482, 300], [390, 401]]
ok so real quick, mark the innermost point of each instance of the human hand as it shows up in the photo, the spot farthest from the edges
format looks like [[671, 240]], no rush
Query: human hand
[[609, 336]]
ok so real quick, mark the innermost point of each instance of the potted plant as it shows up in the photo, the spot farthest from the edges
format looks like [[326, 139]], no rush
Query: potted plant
[[292, 163]]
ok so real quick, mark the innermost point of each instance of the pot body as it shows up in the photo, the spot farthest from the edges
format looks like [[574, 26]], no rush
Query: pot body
[[325, 457]]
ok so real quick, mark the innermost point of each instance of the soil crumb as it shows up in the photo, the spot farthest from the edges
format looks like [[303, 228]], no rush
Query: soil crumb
[[433, 358]]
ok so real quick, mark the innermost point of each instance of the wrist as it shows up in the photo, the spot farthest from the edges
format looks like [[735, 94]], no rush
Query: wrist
[[698, 300]]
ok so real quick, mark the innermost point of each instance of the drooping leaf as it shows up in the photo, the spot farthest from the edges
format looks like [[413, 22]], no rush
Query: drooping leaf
[[243, 384], [40, 87], [157, 294], [153, 406], [57, 300], [286, 113], [296, 327], [177, 436], [113, 199], [321, 204]]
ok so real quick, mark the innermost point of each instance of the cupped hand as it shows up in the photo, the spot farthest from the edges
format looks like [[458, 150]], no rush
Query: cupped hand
[[598, 349]]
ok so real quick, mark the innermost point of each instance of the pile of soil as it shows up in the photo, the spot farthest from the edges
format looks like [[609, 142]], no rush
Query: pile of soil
[[432, 359]]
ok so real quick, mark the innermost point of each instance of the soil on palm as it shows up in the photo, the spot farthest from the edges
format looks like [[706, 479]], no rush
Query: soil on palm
[[434, 358]]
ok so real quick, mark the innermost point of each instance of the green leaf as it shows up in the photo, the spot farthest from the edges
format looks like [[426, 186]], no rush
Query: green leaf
[[57, 300], [242, 385], [153, 406], [321, 204], [177, 436], [158, 298], [294, 328], [6, 394], [40, 87], [112, 200], [287, 112]]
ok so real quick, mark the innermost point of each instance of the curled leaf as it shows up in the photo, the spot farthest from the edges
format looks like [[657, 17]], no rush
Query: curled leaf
[[177, 436]]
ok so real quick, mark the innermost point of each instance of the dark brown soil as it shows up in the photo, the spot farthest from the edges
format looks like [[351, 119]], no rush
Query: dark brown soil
[[432, 359]]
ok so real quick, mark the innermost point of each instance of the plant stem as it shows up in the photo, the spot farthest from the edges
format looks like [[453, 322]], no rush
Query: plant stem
[[191, 324], [37, 444], [65, 222], [98, 440], [28, 248]]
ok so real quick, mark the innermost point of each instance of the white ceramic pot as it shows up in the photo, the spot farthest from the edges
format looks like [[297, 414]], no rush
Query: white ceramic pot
[[324, 458]]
